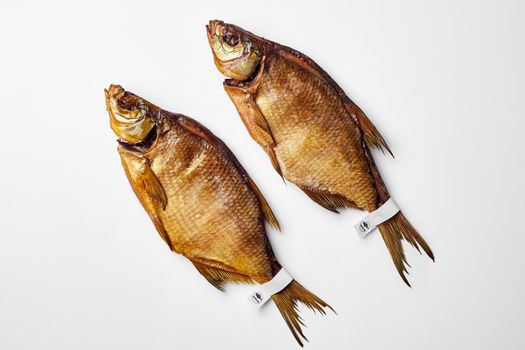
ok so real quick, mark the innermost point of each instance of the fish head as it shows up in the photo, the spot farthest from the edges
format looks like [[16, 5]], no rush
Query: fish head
[[131, 118], [237, 53]]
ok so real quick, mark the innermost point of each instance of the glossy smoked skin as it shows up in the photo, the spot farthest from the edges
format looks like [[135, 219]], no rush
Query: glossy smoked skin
[[318, 144], [212, 215], [201, 201], [314, 135]]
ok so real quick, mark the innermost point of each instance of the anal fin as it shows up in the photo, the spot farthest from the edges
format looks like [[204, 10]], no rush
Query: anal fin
[[330, 201], [218, 276]]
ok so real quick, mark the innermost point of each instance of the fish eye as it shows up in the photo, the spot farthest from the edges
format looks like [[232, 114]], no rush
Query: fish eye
[[230, 39], [130, 102]]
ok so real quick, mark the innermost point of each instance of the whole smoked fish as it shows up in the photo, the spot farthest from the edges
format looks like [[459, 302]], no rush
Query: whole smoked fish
[[314, 135], [200, 199]]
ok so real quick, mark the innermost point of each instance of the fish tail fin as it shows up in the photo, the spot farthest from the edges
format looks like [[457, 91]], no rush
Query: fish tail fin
[[397, 228], [394, 231], [286, 301]]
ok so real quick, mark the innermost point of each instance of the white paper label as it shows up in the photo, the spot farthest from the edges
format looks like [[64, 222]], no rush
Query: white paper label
[[264, 292], [380, 215]]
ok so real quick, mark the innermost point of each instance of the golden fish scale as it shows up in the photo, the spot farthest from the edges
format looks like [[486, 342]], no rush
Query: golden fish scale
[[211, 213], [318, 144]]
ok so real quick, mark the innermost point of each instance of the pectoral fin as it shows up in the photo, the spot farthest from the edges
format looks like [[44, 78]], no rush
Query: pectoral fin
[[153, 187], [147, 188], [254, 121]]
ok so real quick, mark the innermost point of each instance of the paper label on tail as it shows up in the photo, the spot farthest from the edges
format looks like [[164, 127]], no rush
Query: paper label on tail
[[264, 292], [380, 215]]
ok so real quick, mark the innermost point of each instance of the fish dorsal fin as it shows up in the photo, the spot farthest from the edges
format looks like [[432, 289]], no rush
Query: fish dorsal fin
[[217, 276], [328, 200], [268, 214], [196, 128], [199, 130], [371, 135]]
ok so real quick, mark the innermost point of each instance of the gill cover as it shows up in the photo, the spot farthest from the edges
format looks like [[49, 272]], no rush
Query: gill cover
[[130, 125], [233, 56]]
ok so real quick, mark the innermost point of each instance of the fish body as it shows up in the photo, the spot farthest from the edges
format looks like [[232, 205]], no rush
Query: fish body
[[200, 199], [212, 215], [315, 136], [315, 153]]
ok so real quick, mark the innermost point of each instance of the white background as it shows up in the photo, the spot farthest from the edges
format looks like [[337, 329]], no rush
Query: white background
[[81, 266]]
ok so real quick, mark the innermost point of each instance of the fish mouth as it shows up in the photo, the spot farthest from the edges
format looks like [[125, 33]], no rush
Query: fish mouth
[[127, 105], [211, 27], [123, 103], [130, 117], [113, 94]]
